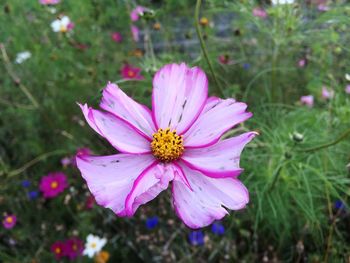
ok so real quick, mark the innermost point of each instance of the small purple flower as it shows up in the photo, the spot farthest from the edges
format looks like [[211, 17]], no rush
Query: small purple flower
[[246, 66], [33, 195], [327, 93], [196, 238], [218, 229], [137, 12], [307, 100], [9, 221], [66, 161], [151, 222], [25, 183], [339, 205], [347, 89]]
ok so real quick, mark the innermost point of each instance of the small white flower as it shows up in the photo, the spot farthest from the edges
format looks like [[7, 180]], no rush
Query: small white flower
[[61, 25], [52, 10], [22, 56], [347, 77], [93, 245], [282, 2]]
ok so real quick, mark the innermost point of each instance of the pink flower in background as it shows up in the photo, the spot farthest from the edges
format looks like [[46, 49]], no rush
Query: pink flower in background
[[302, 63], [9, 221], [327, 93], [49, 2], [66, 161], [135, 33], [259, 12], [347, 89], [136, 12], [130, 72], [307, 100], [178, 142], [53, 184], [117, 37], [224, 59], [89, 202], [323, 8], [83, 151], [58, 249], [73, 248]]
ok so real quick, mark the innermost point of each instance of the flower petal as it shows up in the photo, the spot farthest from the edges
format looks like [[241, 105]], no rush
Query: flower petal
[[151, 182], [148, 185], [221, 159], [204, 204], [179, 95], [122, 135], [111, 178], [217, 117], [118, 103]]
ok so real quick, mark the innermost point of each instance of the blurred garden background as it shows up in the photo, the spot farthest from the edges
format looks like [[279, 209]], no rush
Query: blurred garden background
[[288, 60]]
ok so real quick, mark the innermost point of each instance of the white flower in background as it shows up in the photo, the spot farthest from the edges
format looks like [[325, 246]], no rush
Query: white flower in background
[[347, 77], [93, 245], [52, 10], [282, 2], [22, 56], [62, 25]]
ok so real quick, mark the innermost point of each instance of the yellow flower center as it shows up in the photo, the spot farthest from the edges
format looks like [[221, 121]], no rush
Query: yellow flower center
[[93, 245], [63, 29], [166, 145], [9, 219], [131, 73], [54, 185], [57, 250], [75, 247]]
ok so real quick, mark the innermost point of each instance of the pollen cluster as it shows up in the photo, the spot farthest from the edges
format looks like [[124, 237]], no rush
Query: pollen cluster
[[166, 145]]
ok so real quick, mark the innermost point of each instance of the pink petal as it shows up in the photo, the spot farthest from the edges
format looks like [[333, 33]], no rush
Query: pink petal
[[217, 117], [117, 102], [219, 160], [151, 182], [179, 95], [204, 204], [111, 178], [122, 135], [148, 185]]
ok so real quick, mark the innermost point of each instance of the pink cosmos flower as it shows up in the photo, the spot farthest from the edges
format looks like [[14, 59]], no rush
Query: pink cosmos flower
[[302, 62], [58, 249], [323, 8], [224, 59], [9, 221], [327, 93], [136, 12], [259, 12], [307, 100], [130, 72], [73, 248], [347, 89], [135, 33], [49, 2], [178, 142], [117, 37], [53, 184]]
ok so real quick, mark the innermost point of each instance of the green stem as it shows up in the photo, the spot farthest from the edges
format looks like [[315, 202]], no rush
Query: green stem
[[15, 78], [326, 145], [34, 161], [204, 49]]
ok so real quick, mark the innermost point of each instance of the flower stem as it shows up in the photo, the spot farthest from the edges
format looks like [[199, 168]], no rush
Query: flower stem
[[326, 145], [15, 78], [204, 49]]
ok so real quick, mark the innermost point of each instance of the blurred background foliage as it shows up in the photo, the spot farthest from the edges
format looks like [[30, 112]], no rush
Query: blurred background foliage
[[294, 213]]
